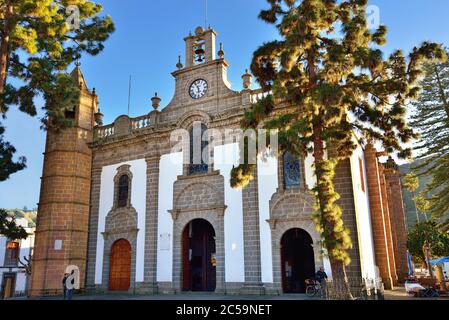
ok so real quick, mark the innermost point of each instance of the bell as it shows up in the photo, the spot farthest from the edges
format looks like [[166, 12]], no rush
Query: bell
[[199, 52]]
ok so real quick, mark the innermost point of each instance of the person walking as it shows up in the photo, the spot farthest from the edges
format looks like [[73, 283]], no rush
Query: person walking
[[320, 275], [64, 287]]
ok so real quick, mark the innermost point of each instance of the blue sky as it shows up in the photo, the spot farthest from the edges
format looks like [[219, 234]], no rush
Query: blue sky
[[147, 42]]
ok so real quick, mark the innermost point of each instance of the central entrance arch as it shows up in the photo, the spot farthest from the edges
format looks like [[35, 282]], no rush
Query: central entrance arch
[[297, 260], [198, 261], [120, 266]]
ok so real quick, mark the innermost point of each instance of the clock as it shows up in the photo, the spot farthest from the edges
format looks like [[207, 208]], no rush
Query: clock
[[198, 89]]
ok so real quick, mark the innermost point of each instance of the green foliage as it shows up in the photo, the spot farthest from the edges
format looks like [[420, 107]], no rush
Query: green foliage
[[40, 40], [328, 217], [8, 165], [329, 69], [422, 204], [411, 182], [438, 241], [29, 215], [9, 228], [431, 119]]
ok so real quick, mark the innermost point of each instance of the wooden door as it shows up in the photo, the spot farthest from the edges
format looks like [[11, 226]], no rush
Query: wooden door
[[198, 249], [9, 284], [120, 266], [297, 260]]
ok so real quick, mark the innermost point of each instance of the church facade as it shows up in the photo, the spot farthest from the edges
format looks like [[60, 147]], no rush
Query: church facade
[[119, 204]]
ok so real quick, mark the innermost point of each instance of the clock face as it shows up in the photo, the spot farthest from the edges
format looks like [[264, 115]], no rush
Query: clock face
[[198, 89]]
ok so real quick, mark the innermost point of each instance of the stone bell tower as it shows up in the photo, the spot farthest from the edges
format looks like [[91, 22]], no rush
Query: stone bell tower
[[200, 48], [63, 209]]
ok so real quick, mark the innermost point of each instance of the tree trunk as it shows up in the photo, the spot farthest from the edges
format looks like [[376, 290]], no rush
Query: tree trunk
[[341, 288], [4, 50]]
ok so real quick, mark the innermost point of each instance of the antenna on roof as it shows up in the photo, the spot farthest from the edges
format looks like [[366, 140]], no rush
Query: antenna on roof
[[205, 16], [129, 95]]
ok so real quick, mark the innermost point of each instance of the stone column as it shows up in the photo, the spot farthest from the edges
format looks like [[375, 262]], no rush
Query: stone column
[[388, 225], [151, 221], [397, 217], [377, 215], [251, 237]]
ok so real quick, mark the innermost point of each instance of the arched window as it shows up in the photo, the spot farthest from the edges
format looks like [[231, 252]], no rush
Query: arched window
[[292, 173], [123, 191], [198, 148]]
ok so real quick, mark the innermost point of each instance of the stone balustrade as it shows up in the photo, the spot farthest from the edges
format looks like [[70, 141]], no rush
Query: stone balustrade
[[104, 132], [141, 122], [125, 125]]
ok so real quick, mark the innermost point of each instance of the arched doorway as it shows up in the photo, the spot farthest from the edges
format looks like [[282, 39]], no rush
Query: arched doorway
[[120, 266], [297, 260], [198, 256]]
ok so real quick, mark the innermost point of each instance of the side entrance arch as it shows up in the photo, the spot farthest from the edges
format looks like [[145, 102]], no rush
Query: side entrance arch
[[198, 256], [120, 266], [297, 260]]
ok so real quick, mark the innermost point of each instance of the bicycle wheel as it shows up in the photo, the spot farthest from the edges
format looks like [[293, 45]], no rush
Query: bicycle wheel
[[311, 291]]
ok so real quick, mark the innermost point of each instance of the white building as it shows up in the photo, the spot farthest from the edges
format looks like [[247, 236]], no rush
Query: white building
[[13, 277]]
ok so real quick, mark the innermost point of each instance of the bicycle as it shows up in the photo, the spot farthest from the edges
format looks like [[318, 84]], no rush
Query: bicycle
[[313, 287]]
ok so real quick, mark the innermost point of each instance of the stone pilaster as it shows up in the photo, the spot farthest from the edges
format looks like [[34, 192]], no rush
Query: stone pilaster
[[377, 216], [397, 218], [388, 225], [93, 228], [251, 237], [151, 221]]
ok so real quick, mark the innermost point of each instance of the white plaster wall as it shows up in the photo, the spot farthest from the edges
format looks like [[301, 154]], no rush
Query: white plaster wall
[[363, 215], [268, 183], [225, 157], [138, 200], [170, 168], [20, 282], [309, 171], [2, 250]]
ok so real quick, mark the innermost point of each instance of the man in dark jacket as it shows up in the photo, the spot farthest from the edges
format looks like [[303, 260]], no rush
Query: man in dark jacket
[[64, 287], [320, 275]]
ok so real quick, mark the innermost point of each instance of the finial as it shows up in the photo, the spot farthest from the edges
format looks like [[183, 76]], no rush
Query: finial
[[247, 80], [78, 63], [221, 52], [199, 31], [156, 101], [99, 117], [179, 64]]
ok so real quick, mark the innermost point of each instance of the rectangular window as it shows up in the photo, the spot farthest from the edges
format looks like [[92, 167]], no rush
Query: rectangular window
[[362, 175], [12, 254]]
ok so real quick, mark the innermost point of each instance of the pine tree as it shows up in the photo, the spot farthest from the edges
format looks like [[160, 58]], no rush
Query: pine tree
[[431, 120], [40, 39], [329, 67], [411, 183], [9, 228]]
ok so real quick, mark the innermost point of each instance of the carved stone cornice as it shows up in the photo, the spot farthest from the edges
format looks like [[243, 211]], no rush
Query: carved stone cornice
[[132, 232], [220, 210]]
